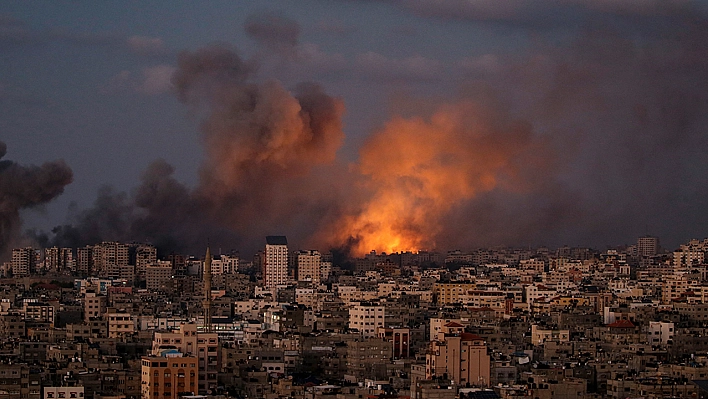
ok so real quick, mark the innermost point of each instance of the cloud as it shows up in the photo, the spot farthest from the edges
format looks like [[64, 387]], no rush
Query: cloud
[[543, 14], [584, 140], [485, 64], [151, 81], [335, 27], [273, 30], [281, 54], [156, 79], [379, 67], [146, 45], [266, 148]]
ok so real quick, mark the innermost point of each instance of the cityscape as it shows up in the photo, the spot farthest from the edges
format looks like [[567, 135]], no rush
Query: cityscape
[[354, 199], [120, 320]]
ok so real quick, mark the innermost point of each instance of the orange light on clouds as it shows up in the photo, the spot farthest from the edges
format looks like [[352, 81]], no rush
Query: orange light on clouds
[[418, 169]]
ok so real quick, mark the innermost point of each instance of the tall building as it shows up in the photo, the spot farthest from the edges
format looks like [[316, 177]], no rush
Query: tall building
[[109, 253], [158, 274], [84, 260], [145, 255], [647, 246], [178, 264], [308, 266], [58, 259], [23, 261], [275, 262]]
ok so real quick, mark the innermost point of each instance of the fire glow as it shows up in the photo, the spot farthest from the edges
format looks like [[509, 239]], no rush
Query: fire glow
[[417, 170]]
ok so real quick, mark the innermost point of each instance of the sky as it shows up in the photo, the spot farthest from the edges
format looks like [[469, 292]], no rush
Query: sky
[[388, 125]]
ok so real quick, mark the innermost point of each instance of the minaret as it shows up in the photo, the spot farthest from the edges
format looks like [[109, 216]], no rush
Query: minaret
[[207, 291]]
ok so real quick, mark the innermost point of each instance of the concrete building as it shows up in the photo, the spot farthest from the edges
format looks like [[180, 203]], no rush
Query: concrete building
[[647, 246], [168, 376], [660, 333], [145, 255], [58, 259], [448, 293], [71, 392], [12, 326], [23, 261], [308, 266], [119, 324], [109, 253], [400, 339], [367, 318], [224, 265], [94, 305], [15, 382], [459, 356], [188, 341], [158, 274], [275, 262], [84, 260], [39, 312]]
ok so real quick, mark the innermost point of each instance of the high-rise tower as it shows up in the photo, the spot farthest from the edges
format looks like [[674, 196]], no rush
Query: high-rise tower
[[207, 290], [275, 262]]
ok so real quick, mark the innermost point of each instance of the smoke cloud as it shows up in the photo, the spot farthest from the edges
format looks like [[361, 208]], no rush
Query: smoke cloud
[[417, 170], [587, 140], [269, 158], [26, 187]]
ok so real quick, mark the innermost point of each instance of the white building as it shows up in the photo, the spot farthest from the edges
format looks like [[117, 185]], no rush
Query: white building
[[660, 333], [275, 262], [367, 318], [224, 264]]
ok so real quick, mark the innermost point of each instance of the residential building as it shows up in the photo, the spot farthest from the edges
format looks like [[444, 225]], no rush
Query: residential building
[[169, 375], [275, 262]]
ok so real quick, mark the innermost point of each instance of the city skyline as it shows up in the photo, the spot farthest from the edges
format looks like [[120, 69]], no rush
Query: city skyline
[[419, 125]]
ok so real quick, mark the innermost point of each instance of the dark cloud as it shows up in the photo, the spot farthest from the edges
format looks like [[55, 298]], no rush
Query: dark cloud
[[627, 114], [26, 187], [265, 147], [587, 140]]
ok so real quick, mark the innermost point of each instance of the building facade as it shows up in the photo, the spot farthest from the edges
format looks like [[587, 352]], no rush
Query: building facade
[[275, 262]]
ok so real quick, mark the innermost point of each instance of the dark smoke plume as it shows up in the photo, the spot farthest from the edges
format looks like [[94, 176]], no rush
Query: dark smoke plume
[[265, 148], [26, 187], [585, 140]]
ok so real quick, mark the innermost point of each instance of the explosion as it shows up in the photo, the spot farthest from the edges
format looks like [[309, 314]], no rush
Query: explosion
[[417, 170]]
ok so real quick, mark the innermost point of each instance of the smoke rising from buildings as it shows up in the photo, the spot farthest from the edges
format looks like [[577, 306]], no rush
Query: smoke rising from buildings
[[26, 187], [416, 170], [265, 150], [582, 141]]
